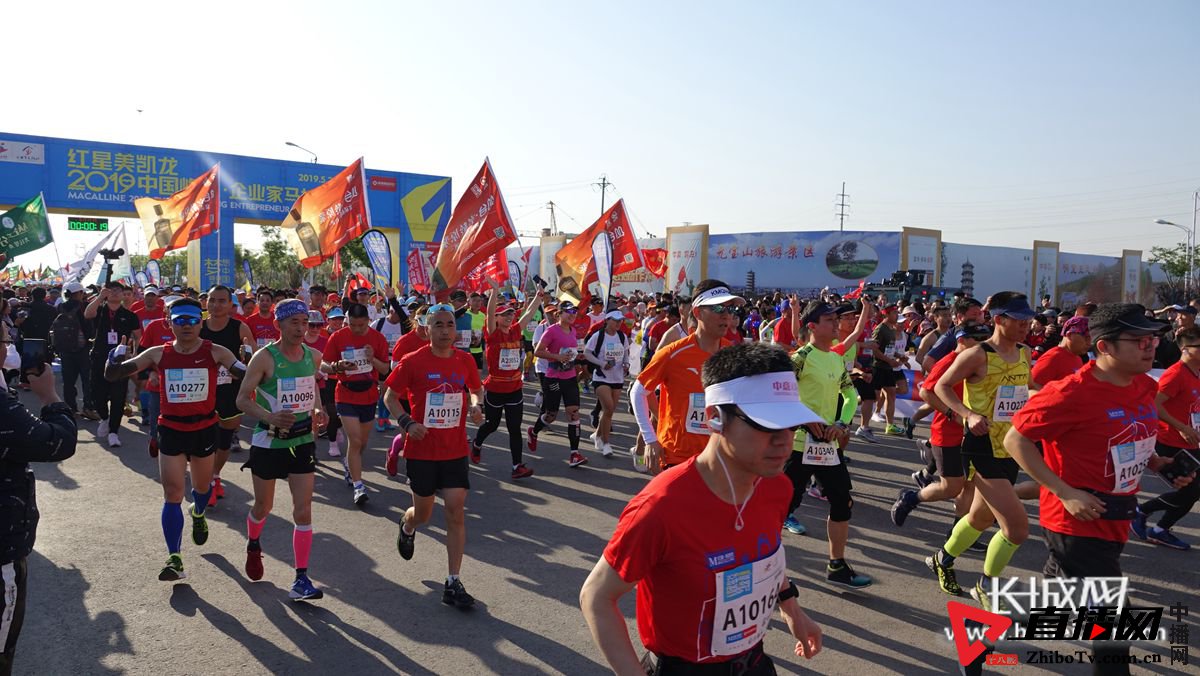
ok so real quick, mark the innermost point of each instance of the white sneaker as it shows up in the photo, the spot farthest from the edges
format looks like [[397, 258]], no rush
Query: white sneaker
[[877, 416], [102, 429], [334, 451], [606, 450], [595, 437], [114, 440], [360, 495], [639, 460]]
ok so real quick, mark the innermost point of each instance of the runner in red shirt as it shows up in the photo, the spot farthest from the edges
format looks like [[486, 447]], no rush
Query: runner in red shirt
[[1098, 429], [1065, 358], [262, 323], [438, 379], [505, 354], [682, 566], [414, 339], [1178, 402], [357, 354], [187, 425], [945, 437]]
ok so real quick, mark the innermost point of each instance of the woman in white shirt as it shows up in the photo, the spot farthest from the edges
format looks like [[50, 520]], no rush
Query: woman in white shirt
[[607, 350]]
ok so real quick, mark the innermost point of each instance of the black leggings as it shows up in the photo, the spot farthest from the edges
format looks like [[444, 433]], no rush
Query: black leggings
[[512, 406], [328, 405], [1176, 504], [835, 480], [108, 398]]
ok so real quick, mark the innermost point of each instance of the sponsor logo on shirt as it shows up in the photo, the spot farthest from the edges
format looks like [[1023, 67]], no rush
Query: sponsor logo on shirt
[[720, 559], [1116, 413]]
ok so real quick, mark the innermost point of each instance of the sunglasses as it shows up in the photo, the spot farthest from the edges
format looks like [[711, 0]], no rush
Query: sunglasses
[[185, 321], [720, 309], [737, 413], [441, 307], [570, 312]]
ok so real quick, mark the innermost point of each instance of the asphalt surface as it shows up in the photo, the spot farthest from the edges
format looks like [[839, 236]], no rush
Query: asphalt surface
[[97, 607]]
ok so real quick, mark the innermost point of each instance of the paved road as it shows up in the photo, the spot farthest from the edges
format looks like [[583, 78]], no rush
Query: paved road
[[97, 607]]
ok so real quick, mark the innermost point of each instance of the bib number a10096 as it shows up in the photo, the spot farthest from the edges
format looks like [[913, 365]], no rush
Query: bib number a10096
[[297, 394]]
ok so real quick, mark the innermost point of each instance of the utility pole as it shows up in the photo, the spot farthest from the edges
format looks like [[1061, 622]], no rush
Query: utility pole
[[604, 185], [553, 223], [841, 214]]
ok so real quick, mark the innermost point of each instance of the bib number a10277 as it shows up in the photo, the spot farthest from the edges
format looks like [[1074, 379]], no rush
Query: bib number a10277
[[186, 386]]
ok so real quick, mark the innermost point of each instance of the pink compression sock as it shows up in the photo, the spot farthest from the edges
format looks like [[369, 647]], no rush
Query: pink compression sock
[[254, 528], [302, 544]]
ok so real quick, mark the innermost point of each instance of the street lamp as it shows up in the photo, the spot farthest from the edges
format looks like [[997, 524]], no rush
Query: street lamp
[[314, 155], [1191, 244]]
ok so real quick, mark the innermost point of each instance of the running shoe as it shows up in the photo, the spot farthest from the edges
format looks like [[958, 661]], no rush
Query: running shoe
[[537, 400], [576, 459], [920, 478], [877, 416], [113, 440], [102, 429], [405, 543], [981, 596], [815, 491], [212, 494], [893, 430], [1164, 537], [254, 563], [392, 465], [866, 434], [596, 443], [639, 461], [945, 574], [89, 414], [521, 471], [793, 525], [476, 453], [531, 439], [219, 488], [457, 596], [334, 451], [384, 425], [1138, 524], [360, 495], [303, 590], [173, 571], [904, 505], [845, 576], [925, 449], [607, 450], [199, 527], [909, 426], [153, 448]]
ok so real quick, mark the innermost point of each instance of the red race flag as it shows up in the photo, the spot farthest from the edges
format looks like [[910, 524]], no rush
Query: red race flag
[[418, 271], [495, 267], [189, 214], [857, 293], [479, 227], [656, 261], [575, 263], [328, 217]]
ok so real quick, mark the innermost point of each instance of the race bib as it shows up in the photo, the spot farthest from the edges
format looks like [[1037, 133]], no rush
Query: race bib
[[531, 326], [361, 363], [1009, 400], [746, 598], [186, 386], [443, 410], [224, 377], [890, 351], [297, 394], [614, 352], [464, 339], [262, 342], [1196, 421], [820, 453], [1129, 460], [696, 422], [511, 358]]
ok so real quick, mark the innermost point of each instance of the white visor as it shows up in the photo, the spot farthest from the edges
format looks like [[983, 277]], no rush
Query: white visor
[[769, 399], [716, 296], [615, 314]]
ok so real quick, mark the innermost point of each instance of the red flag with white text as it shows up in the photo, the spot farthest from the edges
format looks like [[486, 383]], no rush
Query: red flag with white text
[[479, 227], [189, 214]]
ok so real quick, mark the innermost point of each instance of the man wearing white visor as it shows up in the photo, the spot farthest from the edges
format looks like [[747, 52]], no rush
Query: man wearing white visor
[[706, 527], [674, 371]]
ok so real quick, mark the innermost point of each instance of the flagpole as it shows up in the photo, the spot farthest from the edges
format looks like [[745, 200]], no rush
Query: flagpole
[[53, 244]]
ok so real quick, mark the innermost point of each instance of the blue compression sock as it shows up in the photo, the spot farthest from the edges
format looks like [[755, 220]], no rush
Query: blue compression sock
[[172, 526], [200, 500]]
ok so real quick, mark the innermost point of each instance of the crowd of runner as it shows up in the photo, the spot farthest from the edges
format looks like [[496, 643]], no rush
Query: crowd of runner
[[743, 407]]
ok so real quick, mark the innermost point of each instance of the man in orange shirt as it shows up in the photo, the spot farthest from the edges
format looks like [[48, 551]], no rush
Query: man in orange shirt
[[675, 372]]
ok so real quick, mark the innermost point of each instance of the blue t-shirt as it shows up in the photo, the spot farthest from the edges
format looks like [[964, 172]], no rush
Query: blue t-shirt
[[944, 346]]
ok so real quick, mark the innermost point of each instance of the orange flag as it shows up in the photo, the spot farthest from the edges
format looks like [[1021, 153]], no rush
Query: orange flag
[[189, 214], [575, 263], [328, 217], [479, 227]]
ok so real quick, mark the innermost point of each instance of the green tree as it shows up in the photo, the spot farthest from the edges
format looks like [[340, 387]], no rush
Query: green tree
[[166, 265], [1174, 263]]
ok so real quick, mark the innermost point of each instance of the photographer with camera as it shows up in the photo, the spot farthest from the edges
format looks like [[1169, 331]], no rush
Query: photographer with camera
[[24, 438], [69, 334], [112, 323]]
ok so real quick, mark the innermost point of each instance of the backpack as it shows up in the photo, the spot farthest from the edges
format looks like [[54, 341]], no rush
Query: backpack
[[66, 333]]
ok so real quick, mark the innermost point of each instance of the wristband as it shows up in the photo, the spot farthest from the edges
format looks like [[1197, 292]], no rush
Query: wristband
[[239, 365], [115, 354], [791, 592]]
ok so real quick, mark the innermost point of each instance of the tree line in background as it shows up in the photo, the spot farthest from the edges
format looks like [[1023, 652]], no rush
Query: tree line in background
[[1174, 263]]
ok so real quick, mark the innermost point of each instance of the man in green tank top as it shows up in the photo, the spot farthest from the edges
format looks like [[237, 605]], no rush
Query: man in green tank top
[[280, 390]]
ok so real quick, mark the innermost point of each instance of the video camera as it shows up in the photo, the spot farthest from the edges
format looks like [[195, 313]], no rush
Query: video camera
[[109, 256]]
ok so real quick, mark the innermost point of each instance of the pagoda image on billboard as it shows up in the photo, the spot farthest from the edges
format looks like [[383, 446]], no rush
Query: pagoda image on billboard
[[967, 283]]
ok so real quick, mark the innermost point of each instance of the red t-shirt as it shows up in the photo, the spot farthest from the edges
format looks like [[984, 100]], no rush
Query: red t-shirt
[[262, 327], [344, 340], [191, 387], [157, 332], [658, 329], [318, 344], [1182, 387], [783, 332], [147, 316], [424, 376], [673, 538], [409, 342], [1088, 429], [506, 345], [943, 432], [1057, 363]]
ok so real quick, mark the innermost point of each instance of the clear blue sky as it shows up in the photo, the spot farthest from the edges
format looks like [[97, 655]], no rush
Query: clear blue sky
[[998, 123]]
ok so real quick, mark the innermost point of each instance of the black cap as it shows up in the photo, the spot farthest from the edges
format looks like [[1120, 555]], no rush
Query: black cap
[[458, 294], [1189, 310], [846, 309], [1111, 319], [815, 310], [972, 330]]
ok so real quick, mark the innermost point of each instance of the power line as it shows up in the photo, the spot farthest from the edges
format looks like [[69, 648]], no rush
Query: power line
[[604, 185]]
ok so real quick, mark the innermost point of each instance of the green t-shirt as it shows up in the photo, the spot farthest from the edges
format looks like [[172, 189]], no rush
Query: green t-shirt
[[478, 323], [821, 376], [293, 386]]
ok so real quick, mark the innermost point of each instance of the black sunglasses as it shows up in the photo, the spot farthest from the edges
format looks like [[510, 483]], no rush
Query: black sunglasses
[[740, 415]]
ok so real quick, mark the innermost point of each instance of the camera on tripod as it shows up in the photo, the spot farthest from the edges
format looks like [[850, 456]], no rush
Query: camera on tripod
[[109, 256], [112, 254]]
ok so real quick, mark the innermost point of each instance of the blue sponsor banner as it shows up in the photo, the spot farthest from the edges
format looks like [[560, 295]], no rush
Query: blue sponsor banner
[[380, 254], [89, 177], [805, 261], [155, 272]]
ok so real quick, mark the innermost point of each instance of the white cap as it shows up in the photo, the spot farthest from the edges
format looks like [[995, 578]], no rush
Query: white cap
[[615, 314], [910, 310], [769, 399], [72, 287], [716, 296]]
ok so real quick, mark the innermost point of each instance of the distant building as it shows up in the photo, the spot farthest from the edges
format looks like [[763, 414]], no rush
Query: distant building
[[968, 278]]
